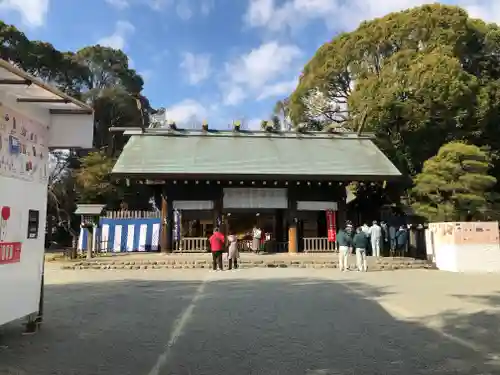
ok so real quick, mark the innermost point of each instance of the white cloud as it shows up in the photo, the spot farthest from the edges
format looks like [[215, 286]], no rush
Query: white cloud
[[118, 4], [233, 95], [158, 4], [33, 12], [260, 67], [341, 14], [187, 112], [207, 6], [118, 40], [283, 88], [197, 67], [183, 10]]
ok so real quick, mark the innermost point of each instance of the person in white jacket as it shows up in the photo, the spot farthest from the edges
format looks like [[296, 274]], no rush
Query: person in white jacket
[[233, 253], [376, 238]]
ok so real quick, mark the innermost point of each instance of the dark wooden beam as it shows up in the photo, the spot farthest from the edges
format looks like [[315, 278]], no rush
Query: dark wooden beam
[[15, 82], [69, 112], [41, 100]]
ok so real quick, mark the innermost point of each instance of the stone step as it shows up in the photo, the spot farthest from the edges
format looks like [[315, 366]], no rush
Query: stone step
[[378, 264]]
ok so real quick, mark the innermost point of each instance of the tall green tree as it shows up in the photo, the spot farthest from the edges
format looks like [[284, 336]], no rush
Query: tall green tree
[[422, 77], [114, 89], [102, 77], [455, 185]]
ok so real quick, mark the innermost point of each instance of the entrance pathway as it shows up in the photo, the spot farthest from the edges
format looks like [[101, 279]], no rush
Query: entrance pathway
[[256, 322]]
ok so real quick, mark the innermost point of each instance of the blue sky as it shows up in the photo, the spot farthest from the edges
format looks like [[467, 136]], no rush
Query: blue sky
[[217, 60]]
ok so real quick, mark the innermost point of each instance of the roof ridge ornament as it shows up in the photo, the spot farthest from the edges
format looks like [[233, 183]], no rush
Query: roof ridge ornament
[[237, 126]]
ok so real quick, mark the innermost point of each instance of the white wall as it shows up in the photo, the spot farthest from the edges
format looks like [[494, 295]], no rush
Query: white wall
[[71, 131], [20, 281]]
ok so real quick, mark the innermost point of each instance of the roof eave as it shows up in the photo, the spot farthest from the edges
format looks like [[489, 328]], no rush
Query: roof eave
[[253, 177], [33, 80]]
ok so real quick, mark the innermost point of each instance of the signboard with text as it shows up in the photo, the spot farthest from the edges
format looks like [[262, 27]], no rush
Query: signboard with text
[[10, 252]]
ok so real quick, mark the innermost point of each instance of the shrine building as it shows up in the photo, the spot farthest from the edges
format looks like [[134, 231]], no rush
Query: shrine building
[[283, 182]]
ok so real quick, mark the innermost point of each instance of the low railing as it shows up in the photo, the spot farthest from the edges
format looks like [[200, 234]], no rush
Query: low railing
[[192, 245], [244, 245], [272, 246], [318, 244]]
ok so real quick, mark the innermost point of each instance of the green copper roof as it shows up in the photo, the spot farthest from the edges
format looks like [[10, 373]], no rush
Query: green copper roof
[[184, 153]]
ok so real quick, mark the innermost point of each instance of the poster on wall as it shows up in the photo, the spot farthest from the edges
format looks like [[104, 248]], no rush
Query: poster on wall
[[10, 249], [23, 147]]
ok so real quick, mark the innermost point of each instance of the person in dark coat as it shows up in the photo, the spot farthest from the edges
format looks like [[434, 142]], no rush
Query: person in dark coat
[[344, 241], [385, 237], [392, 238], [401, 240], [360, 243]]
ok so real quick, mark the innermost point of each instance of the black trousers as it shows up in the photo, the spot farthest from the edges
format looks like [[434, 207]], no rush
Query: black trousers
[[233, 261], [217, 259]]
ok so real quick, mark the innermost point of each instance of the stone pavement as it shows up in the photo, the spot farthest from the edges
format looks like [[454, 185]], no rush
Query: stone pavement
[[136, 261], [257, 321]]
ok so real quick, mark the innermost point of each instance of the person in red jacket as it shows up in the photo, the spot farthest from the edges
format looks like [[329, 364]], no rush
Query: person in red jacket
[[217, 246]]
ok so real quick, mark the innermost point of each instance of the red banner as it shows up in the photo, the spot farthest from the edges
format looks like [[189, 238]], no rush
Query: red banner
[[10, 252], [330, 225]]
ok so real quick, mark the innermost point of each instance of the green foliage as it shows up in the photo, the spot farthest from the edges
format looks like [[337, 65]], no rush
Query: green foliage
[[423, 77], [454, 185], [100, 76], [93, 181]]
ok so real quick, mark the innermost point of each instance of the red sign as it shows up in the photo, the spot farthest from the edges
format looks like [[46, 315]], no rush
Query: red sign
[[330, 224], [10, 252]]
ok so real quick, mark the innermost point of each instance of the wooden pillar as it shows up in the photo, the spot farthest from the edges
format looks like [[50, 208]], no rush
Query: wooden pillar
[[166, 226], [293, 238]]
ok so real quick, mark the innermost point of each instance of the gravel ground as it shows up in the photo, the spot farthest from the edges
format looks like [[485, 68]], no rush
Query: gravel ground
[[260, 321]]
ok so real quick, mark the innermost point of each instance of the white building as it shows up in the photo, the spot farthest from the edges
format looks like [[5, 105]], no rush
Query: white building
[[34, 118]]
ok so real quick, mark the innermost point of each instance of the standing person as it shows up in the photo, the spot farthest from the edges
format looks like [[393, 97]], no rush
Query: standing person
[[401, 240], [360, 243], [392, 238], [385, 236], [233, 252], [344, 240], [256, 236], [366, 229], [217, 246], [375, 238]]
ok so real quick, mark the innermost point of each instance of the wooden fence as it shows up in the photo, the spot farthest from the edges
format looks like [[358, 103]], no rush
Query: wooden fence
[[192, 245], [318, 244]]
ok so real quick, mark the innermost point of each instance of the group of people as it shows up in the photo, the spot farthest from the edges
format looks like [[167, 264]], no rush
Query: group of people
[[218, 248], [374, 238]]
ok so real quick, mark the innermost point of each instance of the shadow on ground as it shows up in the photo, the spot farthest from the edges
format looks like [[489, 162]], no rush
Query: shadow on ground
[[238, 326]]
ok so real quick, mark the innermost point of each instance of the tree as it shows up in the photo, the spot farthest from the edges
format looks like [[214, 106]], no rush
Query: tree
[[282, 111], [423, 77], [102, 77], [454, 185], [93, 181], [115, 92]]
